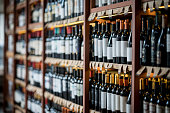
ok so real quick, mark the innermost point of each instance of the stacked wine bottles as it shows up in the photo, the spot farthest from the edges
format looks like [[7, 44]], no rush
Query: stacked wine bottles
[[36, 12], [100, 3], [154, 95], [57, 10], [155, 41], [109, 92], [65, 43], [21, 18], [115, 45], [20, 44], [65, 82], [20, 70], [34, 104]]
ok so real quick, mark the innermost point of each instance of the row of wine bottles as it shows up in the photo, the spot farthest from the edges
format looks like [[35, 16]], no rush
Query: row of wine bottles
[[154, 95], [36, 12], [100, 3], [35, 43], [21, 18], [20, 70], [155, 41], [19, 96], [34, 104], [113, 46], [65, 43], [109, 92], [20, 44], [63, 9], [35, 74], [51, 107], [65, 82]]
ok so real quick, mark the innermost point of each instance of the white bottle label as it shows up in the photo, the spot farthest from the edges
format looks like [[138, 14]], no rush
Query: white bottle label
[[117, 102], [100, 48], [100, 3], [129, 54], [75, 6], [145, 107], [47, 84], [160, 109], [82, 49], [72, 6], [81, 89], [103, 100], [64, 85], [114, 47], [81, 6], [66, 8], [29, 104], [118, 48], [62, 46], [152, 108], [167, 109], [59, 85], [95, 46], [123, 101], [113, 102], [168, 43], [97, 2], [67, 45], [128, 108], [109, 101], [105, 41], [52, 46], [71, 46], [104, 1], [141, 46], [78, 6], [108, 2], [75, 89], [74, 45], [124, 45], [78, 89], [56, 11], [109, 53]]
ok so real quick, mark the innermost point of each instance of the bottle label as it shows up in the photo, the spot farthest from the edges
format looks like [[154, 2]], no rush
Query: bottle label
[[78, 89], [113, 102], [117, 102], [152, 108], [71, 46], [160, 109], [109, 101], [100, 48], [75, 89], [97, 2], [64, 85], [78, 6], [167, 109], [82, 48], [95, 46], [69, 7], [109, 53], [59, 85], [67, 45], [129, 54], [103, 100], [74, 45], [56, 11], [141, 46], [128, 108], [124, 45], [81, 6], [104, 1], [168, 43], [123, 101], [100, 3], [52, 46], [118, 48], [62, 46], [53, 9], [29, 104], [105, 41], [81, 89], [66, 8], [75, 6], [72, 6], [158, 60], [145, 107], [114, 47], [108, 2]]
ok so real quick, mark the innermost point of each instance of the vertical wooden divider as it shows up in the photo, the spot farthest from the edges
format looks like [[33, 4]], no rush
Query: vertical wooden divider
[[136, 9], [86, 57], [26, 60], [43, 57]]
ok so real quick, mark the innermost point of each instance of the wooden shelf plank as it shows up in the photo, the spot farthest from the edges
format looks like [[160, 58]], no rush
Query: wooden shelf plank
[[34, 58], [35, 26], [20, 57], [21, 5], [19, 108], [9, 31], [10, 8], [21, 30], [34, 89], [9, 54], [112, 6], [20, 82], [33, 1], [9, 77], [146, 0]]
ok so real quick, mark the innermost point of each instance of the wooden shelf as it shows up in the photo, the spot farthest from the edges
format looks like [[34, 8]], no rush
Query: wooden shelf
[[20, 82], [62, 101], [21, 30], [9, 54], [19, 108], [10, 8], [9, 99], [34, 89], [35, 58], [9, 31], [146, 0], [33, 1], [68, 22], [9, 77], [35, 26], [21, 5], [20, 57], [112, 6]]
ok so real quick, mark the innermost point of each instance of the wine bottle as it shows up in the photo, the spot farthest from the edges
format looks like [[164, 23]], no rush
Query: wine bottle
[[113, 96], [161, 46], [118, 91], [78, 87], [141, 94], [154, 40], [81, 87], [67, 43], [71, 43], [79, 42], [100, 44], [114, 35], [95, 36], [65, 83], [129, 48], [146, 44], [66, 9], [72, 86], [90, 88], [104, 94], [75, 42], [118, 42], [81, 7], [106, 36], [128, 104], [124, 43], [104, 2], [93, 90], [109, 93], [167, 107], [124, 96], [97, 3], [168, 45]]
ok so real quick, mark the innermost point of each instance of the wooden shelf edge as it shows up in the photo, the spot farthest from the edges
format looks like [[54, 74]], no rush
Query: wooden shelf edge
[[21, 5], [9, 54], [20, 82], [20, 57], [19, 108], [34, 89], [33, 1], [9, 77], [20, 30], [112, 6], [10, 8], [35, 58], [147, 0], [35, 26]]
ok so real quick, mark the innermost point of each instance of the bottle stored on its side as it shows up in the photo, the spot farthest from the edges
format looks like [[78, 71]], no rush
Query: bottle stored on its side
[[129, 48]]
